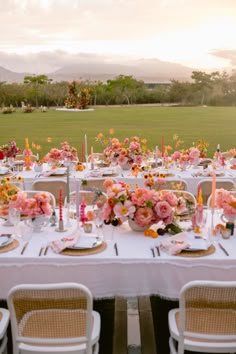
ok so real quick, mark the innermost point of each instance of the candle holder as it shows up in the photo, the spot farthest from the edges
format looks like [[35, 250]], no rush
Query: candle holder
[[60, 227], [68, 223]]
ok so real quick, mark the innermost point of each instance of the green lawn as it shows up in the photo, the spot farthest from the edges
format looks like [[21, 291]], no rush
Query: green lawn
[[212, 124]]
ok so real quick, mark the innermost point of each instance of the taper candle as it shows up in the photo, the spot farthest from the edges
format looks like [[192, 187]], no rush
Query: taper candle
[[156, 155], [82, 152], [60, 204], [86, 147], [213, 190], [68, 184]]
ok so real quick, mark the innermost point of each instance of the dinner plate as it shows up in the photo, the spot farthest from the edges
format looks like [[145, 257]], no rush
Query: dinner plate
[[4, 171], [87, 242], [59, 171], [5, 240]]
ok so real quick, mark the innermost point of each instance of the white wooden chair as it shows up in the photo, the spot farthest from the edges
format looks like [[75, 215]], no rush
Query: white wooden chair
[[172, 184], [4, 321], [53, 318], [189, 198], [206, 318], [51, 185], [21, 157], [206, 187]]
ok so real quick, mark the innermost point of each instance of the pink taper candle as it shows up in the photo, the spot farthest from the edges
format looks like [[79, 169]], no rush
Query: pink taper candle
[[213, 190], [60, 204]]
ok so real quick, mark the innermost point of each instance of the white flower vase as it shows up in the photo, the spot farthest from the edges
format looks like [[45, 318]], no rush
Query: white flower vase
[[135, 227], [227, 217], [125, 167], [38, 168], [38, 223]]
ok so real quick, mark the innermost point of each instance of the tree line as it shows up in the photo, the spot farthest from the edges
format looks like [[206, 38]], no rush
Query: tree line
[[216, 89]]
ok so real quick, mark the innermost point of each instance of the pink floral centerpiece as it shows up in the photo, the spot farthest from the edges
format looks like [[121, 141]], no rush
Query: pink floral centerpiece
[[32, 207], [130, 150], [144, 206], [188, 156], [55, 156], [10, 149], [226, 200]]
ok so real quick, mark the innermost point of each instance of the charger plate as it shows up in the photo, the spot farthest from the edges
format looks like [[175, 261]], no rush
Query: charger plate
[[11, 246], [84, 252], [199, 253]]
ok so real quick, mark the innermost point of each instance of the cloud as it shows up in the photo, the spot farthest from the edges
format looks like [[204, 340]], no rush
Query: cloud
[[227, 54]]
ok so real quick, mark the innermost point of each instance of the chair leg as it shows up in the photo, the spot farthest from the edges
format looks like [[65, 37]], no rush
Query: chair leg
[[172, 346]]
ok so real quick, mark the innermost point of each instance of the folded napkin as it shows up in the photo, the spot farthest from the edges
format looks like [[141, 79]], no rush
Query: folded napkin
[[175, 244], [59, 245], [95, 173]]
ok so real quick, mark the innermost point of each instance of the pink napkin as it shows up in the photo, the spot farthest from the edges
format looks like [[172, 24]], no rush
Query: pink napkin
[[59, 245], [175, 244]]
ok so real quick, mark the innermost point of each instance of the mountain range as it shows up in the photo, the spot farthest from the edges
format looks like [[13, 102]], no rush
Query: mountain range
[[147, 70]]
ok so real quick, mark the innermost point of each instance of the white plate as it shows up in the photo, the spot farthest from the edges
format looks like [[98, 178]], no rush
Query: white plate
[[3, 171], [86, 242], [5, 240], [59, 171]]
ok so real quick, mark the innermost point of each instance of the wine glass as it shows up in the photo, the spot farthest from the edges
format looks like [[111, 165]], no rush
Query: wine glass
[[201, 219], [98, 221]]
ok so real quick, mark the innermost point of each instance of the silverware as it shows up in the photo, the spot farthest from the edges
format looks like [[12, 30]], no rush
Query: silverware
[[116, 249], [153, 252], [158, 251], [223, 249], [24, 248], [46, 251], [41, 251]]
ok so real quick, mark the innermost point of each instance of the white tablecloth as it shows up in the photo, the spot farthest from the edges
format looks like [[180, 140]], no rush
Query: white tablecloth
[[134, 272]]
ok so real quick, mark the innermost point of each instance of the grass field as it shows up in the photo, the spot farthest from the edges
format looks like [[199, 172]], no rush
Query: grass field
[[212, 124]]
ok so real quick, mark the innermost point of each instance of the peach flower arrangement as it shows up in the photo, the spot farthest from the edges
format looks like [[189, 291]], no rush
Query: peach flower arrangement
[[144, 206], [226, 201], [32, 207]]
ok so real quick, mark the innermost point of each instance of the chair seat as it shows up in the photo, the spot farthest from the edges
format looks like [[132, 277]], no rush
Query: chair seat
[[46, 324], [205, 318]]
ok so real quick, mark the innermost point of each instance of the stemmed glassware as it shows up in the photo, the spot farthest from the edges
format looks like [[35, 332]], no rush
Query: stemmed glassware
[[98, 221]]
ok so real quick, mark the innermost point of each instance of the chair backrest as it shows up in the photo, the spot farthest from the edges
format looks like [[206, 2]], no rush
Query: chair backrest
[[206, 187], [51, 185], [53, 315], [93, 184], [171, 184], [189, 198], [90, 197], [31, 194], [207, 311], [21, 157]]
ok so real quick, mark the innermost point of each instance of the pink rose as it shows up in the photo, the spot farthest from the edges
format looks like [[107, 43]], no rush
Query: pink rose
[[163, 209], [144, 216]]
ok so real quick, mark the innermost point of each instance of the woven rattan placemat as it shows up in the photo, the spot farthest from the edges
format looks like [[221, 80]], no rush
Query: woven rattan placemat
[[11, 246], [84, 252], [201, 253]]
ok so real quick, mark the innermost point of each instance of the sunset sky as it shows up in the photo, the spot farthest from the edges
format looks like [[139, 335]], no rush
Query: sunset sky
[[44, 35]]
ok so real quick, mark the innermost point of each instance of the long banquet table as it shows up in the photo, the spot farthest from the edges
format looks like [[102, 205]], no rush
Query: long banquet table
[[134, 272]]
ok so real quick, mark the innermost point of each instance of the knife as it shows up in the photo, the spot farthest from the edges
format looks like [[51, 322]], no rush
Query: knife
[[223, 249]]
